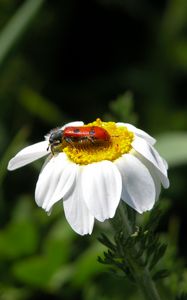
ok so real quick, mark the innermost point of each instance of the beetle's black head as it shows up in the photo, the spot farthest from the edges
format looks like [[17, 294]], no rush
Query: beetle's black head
[[55, 137]]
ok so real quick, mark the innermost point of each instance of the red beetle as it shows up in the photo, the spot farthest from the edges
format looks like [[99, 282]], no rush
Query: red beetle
[[78, 134], [83, 133]]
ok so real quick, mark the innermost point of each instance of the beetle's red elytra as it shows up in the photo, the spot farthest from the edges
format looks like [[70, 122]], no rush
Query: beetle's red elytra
[[78, 135], [85, 133]]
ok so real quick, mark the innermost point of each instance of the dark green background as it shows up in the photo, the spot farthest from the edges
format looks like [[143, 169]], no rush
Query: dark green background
[[122, 60]]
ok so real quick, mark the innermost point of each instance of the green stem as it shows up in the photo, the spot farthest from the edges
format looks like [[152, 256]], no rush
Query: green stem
[[17, 25], [141, 274]]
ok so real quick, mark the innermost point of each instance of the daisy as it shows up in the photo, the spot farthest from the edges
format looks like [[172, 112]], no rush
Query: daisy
[[91, 175]]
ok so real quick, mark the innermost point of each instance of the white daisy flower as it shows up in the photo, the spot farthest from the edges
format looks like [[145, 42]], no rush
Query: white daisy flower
[[91, 167]]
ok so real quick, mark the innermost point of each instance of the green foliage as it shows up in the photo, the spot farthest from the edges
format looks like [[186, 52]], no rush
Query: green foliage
[[40, 107], [53, 71], [141, 247], [17, 25], [19, 139], [145, 248], [122, 109], [182, 297], [16, 242], [173, 146], [40, 257]]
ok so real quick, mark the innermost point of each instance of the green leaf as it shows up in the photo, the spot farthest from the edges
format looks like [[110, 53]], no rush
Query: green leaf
[[157, 254], [173, 147], [41, 107], [44, 270], [122, 109], [36, 271], [180, 53], [161, 274], [183, 296], [175, 18], [86, 266], [18, 25], [9, 292], [17, 239], [58, 243], [16, 144], [106, 241]]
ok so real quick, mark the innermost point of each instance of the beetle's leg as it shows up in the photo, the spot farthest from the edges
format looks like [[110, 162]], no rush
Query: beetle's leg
[[91, 139], [54, 145], [69, 141]]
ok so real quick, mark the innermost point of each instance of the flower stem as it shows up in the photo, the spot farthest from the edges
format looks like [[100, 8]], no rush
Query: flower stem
[[141, 273]]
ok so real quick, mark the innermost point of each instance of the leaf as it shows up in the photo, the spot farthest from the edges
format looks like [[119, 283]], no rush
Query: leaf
[[122, 109], [18, 238], [105, 241], [9, 292], [36, 271], [183, 296], [157, 255], [161, 274], [173, 147], [180, 53], [16, 144], [86, 266], [43, 270], [58, 242], [17, 25], [174, 19], [41, 107]]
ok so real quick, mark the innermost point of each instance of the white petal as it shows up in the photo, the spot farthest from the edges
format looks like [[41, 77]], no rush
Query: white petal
[[153, 173], [75, 123], [76, 211], [149, 153], [138, 132], [165, 163], [28, 155], [102, 189], [55, 181], [156, 180], [138, 186]]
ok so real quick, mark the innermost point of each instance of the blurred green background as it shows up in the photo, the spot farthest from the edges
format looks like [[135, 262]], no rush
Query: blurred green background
[[60, 61]]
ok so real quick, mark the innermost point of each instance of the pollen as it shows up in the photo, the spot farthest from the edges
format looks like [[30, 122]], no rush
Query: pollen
[[87, 152]]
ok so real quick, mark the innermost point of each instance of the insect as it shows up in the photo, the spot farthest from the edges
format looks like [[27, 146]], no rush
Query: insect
[[55, 139], [77, 135]]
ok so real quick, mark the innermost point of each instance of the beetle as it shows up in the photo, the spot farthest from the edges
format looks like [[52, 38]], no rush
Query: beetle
[[55, 139], [88, 134], [77, 135]]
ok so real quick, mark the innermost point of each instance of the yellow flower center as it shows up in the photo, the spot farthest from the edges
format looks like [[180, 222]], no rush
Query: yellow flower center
[[87, 152]]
